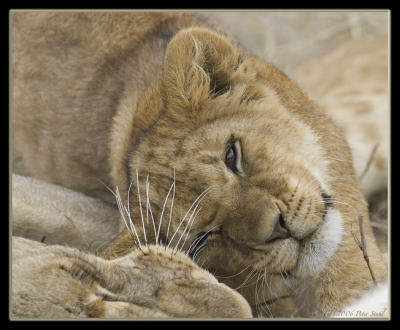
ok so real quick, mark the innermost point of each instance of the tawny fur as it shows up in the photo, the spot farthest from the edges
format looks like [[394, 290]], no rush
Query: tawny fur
[[138, 98], [53, 214], [57, 282]]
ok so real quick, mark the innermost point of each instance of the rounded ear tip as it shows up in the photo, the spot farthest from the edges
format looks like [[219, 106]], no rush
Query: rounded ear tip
[[205, 36], [198, 61]]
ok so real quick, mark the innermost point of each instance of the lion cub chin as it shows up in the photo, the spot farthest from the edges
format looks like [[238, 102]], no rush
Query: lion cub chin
[[154, 282]]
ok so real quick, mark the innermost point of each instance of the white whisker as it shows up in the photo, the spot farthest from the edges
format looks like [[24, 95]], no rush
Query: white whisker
[[190, 221], [197, 204], [201, 248], [108, 188], [121, 208], [190, 227], [147, 200], [183, 219], [274, 295], [256, 292], [162, 212], [121, 211], [235, 274], [149, 208], [264, 282], [198, 239], [172, 206], [248, 277], [132, 226], [129, 189], [140, 206], [202, 264], [129, 210]]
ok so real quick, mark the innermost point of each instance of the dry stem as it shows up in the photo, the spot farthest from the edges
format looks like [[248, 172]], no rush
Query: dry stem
[[370, 159], [363, 247]]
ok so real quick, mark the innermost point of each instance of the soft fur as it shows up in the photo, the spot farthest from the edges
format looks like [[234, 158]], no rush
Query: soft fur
[[139, 100], [374, 303], [52, 214], [53, 282]]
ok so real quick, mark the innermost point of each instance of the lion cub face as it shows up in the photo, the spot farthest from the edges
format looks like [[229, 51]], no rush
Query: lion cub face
[[235, 176]]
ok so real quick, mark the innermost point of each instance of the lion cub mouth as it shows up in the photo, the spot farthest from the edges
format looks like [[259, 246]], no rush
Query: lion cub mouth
[[198, 244], [201, 241], [284, 253]]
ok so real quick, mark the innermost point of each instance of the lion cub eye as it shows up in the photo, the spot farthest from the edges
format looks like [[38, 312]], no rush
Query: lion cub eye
[[232, 157]]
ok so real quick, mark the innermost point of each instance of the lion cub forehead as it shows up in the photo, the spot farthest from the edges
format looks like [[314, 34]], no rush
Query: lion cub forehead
[[293, 147], [307, 154], [271, 137]]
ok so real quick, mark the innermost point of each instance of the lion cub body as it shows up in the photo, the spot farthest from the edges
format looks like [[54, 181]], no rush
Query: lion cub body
[[138, 100], [77, 70]]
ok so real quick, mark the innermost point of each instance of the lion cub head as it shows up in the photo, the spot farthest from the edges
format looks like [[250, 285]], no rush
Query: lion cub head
[[236, 158]]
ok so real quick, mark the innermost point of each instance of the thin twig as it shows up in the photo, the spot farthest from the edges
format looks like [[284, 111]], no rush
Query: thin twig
[[370, 159], [363, 247]]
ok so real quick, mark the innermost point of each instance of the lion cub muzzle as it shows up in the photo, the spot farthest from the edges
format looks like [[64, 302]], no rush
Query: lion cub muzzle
[[280, 230]]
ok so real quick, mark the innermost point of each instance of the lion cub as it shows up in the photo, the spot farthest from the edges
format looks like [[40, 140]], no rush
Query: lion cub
[[152, 282], [247, 161]]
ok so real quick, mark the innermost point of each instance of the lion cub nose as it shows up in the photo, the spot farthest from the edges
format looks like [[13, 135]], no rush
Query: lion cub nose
[[280, 230]]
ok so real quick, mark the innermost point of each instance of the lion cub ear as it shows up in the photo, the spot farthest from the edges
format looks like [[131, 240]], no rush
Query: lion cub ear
[[198, 65]]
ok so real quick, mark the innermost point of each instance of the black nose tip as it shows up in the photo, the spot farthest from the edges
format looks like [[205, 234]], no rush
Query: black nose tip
[[281, 222], [280, 230]]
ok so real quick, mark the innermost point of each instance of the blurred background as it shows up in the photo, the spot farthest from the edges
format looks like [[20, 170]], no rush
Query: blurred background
[[287, 38]]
